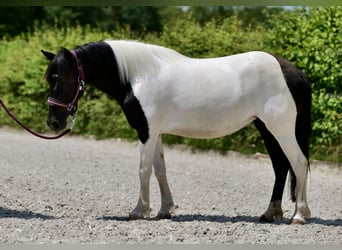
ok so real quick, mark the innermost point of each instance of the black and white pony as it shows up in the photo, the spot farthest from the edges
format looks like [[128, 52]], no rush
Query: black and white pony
[[163, 92]]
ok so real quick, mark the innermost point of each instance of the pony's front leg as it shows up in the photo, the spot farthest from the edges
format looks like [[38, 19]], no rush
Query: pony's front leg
[[167, 205], [142, 208]]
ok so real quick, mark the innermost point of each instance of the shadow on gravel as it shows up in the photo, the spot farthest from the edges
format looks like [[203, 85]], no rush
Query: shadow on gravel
[[195, 217], [26, 215], [225, 219], [117, 218], [215, 218], [315, 220], [250, 219]]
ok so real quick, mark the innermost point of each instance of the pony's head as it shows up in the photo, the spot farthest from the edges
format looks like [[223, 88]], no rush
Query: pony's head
[[66, 87]]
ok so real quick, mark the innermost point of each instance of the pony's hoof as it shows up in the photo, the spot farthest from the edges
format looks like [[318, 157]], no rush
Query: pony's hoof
[[161, 216], [264, 219], [297, 222], [135, 217]]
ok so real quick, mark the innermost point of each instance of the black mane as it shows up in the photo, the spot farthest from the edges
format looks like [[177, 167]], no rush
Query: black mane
[[101, 69]]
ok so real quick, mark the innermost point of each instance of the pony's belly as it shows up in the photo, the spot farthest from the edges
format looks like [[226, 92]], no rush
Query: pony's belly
[[206, 130], [200, 134]]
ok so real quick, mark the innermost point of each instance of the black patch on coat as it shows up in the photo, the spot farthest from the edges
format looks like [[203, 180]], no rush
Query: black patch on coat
[[136, 116]]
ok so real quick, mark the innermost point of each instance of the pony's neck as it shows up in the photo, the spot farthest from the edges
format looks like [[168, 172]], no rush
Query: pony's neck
[[101, 70]]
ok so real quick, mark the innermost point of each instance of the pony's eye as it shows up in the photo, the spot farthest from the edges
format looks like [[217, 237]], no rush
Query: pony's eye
[[55, 76]]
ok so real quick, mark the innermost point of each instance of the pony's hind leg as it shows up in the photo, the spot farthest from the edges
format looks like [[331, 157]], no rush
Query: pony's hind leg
[[284, 133], [167, 205], [300, 167], [281, 167]]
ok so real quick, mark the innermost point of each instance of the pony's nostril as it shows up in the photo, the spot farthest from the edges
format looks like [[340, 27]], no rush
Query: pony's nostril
[[54, 125]]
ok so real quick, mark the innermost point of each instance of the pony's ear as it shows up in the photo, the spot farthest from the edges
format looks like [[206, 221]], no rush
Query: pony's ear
[[67, 56], [48, 55]]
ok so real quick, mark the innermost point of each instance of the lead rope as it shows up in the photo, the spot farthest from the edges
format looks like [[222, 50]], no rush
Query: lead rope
[[67, 131]]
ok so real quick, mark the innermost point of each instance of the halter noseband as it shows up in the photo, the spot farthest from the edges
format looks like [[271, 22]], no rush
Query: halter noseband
[[72, 106]]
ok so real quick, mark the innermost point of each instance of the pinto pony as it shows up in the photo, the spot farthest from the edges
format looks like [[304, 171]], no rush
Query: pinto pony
[[164, 92]]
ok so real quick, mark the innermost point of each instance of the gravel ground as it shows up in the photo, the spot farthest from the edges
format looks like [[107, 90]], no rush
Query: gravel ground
[[77, 190]]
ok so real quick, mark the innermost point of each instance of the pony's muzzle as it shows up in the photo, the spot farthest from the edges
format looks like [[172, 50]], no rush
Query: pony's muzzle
[[55, 124]]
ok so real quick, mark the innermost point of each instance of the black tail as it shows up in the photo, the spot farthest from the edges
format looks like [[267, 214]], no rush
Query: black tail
[[301, 92]]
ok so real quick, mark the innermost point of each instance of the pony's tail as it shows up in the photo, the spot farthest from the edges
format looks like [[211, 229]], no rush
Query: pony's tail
[[303, 123]]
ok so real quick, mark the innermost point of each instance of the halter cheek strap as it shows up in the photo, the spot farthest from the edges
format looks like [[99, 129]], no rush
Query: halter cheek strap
[[72, 106], [81, 74]]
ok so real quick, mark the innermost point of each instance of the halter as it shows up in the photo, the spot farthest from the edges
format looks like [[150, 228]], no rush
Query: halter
[[72, 106]]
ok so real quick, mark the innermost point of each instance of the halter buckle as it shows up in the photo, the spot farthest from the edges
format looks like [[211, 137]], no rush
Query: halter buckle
[[82, 83], [69, 107]]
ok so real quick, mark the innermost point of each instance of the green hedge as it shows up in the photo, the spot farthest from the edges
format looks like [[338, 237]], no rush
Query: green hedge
[[293, 36], [313, 41]]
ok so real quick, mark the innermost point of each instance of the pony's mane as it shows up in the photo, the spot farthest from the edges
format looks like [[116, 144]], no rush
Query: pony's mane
[[136, 60]]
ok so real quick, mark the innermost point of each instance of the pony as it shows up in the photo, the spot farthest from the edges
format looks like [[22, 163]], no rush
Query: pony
[[162, 91]]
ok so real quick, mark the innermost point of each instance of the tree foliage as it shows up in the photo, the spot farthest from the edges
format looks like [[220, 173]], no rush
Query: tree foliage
[[15, 20]]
